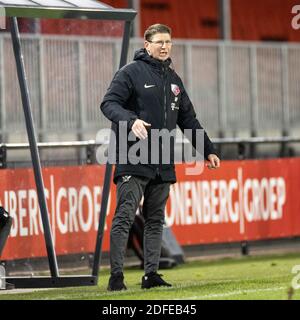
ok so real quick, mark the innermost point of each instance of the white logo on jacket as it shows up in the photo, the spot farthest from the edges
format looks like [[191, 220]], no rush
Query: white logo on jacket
[[175, 89], [173, 106], [126, 178], [149, 86]]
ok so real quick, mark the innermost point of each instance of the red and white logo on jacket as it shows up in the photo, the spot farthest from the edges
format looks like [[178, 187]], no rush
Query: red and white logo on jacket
[[175, 89]]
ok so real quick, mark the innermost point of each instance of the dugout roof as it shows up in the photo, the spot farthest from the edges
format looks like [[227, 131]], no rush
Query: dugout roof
[[61, 9]]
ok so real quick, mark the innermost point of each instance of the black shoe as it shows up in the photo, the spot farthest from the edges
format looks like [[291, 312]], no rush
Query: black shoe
[[153, 279], [9, 286], [116, 282]]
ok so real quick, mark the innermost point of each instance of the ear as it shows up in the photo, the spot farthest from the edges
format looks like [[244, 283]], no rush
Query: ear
[[146, 46]]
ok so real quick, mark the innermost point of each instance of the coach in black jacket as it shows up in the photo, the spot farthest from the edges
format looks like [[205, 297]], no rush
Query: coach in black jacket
[[147, 94]]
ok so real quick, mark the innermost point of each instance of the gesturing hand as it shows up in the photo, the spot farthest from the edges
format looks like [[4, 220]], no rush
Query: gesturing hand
[[139, 128], [214, 161]]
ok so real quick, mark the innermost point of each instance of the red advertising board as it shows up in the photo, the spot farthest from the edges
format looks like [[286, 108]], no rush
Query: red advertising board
[[243, 200]]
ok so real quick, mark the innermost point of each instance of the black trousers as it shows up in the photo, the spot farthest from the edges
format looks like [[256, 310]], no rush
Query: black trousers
[[130, 190]]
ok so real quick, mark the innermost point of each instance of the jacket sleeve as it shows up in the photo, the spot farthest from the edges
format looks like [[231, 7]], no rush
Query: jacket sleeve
[[187, 120], [115, 102]]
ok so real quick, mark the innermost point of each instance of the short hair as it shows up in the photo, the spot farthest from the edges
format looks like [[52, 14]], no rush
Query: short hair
[[156, 28]]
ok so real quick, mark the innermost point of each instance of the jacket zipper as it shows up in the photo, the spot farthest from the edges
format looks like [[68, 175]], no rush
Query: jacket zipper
[[158, 168], [165, 97]]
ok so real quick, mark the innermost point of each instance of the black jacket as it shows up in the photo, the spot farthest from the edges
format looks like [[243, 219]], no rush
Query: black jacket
[[148, 89]]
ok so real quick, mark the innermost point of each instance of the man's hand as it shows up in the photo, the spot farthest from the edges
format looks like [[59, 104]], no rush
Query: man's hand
[[214, 161], [139, 128]]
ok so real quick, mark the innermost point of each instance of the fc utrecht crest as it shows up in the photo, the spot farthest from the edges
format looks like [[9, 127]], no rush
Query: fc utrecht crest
[[175, 89]]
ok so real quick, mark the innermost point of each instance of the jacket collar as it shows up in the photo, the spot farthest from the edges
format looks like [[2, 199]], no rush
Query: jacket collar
[[143, 55]]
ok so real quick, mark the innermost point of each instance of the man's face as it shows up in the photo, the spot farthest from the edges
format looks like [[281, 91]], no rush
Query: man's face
[[160, 46]]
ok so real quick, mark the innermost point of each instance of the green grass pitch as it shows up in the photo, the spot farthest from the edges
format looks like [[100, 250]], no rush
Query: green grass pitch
[[250, 278]]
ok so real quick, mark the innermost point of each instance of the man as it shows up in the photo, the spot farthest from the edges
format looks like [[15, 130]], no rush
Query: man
[[141, 94]]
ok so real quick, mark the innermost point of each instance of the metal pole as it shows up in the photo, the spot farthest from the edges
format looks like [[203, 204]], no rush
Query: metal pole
[[33, 145], [225, 19], [42, 88], [3, 135], [136, 5], [108, 170], [222, 63], [254, 97], [222, 92], [81, 96], [285, 98]]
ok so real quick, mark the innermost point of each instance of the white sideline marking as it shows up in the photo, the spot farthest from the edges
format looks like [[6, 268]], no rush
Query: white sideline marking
[[17, 291], [232, 293]]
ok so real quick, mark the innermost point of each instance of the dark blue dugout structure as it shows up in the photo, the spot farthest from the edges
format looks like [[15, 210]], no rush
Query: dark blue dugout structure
[[59, 9]]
